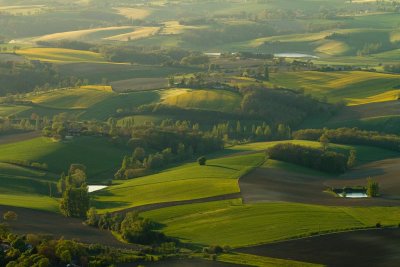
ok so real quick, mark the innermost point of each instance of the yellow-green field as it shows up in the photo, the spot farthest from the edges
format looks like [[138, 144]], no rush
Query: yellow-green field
[[133, 13], [386, 96], [349, 86], [96, 33], [137, 33], [218, 100], [78, 98], [23, 10], [186, 182], [60, 55]]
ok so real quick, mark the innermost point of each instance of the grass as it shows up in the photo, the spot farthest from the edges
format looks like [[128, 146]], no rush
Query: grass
[[137, 33], [60, 55], [189, 181], [237, 224], [87, 34], [78, 98], [383, 97], [88, 102], [38, 202], [133, 13], [139, 84], [99, 156], [337, 86], [218, 100]]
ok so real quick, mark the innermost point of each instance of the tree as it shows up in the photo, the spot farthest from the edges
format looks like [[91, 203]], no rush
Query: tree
[[324, 141], [92, 217], [139, 153], [351, 162], [202, 161], [10, 216], [372, 188], [75, 202], [266, 73]]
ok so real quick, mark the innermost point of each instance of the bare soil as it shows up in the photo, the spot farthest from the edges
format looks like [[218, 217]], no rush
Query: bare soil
[[367, 248], [271, 184], [48, 223]]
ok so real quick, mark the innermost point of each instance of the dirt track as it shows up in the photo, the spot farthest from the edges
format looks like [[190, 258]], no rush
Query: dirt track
[[270, 184], [367, 248]]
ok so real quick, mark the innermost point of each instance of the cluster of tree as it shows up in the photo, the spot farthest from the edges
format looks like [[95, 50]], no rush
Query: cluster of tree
[[45, 251], [223, 33], [317, 159], [394, 68], [32, 76], [258, 103], [251, 131], [262, 73], [352, 136], [130, 226], [68, 44], [153, 55], [74, 190], [370, 48], [175, 142], [279, 106], [12, 126], [372, 188]]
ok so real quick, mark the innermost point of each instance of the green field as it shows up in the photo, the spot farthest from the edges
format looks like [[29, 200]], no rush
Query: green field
[[90, 102], [237, 224], [189, 181], [99, 156]]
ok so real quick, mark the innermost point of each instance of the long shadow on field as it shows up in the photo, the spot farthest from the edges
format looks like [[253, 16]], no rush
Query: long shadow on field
[[367, 248], [222, 167]]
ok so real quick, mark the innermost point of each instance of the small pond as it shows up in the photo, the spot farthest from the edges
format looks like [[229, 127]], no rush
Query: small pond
[[94, 188], [294, 55], [353, 195], [351, 192]]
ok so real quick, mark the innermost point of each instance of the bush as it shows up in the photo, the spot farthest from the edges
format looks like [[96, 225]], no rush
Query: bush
[[202, 161], [10, 216], [378, 225]]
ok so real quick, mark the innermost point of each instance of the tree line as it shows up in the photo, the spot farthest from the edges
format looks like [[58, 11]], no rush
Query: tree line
[[351, 136], [45, 251], [131, 227]]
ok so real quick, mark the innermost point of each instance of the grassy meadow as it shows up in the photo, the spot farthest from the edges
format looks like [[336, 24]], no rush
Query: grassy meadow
[[223, 222], [186, 182], [100, 156]]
